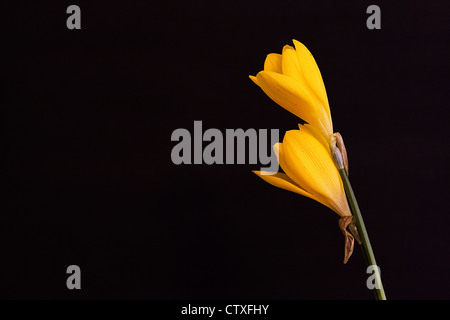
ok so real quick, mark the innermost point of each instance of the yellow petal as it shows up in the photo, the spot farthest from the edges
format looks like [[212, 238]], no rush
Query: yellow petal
[[290, 66], [278, 147], [290, 95], [281, 180], [273, 62], [308, 163], [314, 132], [311, 73], [253, 78]]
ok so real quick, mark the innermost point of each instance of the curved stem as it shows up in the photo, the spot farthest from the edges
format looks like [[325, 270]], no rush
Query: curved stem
[[365, 242]]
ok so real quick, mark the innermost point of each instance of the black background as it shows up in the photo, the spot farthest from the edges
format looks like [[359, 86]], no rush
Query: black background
[[87, 120]]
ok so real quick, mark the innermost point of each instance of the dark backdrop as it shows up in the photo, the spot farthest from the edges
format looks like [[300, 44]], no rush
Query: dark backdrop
[[87, 121]]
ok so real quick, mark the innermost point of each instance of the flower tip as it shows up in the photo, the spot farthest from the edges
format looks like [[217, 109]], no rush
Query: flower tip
[[254, 79], [287, 47], [291, 133], [297, 43]]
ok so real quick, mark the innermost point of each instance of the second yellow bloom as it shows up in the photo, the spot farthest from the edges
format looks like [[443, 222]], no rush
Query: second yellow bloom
[[309, 170]]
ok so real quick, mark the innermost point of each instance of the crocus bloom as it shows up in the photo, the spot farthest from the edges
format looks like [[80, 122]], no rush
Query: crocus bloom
[[309, 170], [293, 80], [309, 157]]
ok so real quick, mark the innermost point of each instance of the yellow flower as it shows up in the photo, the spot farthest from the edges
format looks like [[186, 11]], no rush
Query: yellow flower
[[310, 156], [309, 170], [293, 80]]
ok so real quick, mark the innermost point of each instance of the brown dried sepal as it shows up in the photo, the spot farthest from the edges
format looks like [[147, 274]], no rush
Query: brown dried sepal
[[349, 222], [354, 231], [341, 146]]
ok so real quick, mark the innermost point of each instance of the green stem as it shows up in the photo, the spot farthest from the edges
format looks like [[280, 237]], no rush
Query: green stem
[[365, 242]]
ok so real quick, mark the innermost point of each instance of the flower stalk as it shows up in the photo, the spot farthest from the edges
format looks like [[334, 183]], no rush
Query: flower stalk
[[364, 236]]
